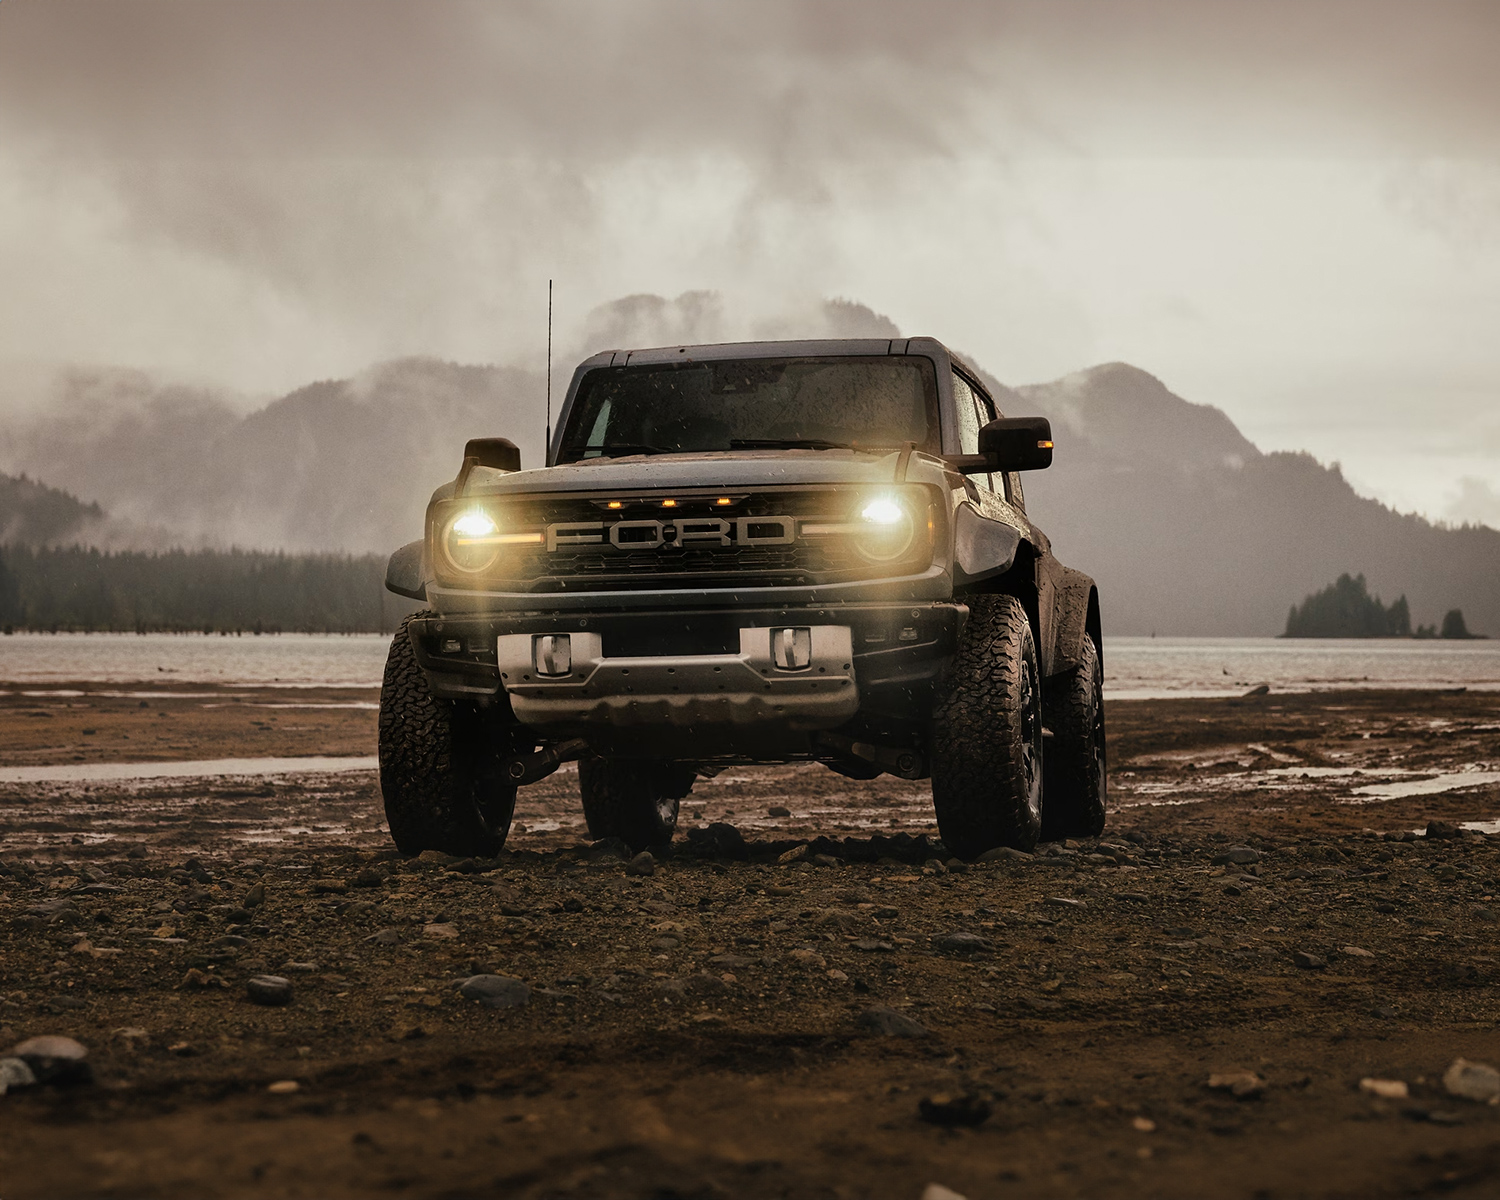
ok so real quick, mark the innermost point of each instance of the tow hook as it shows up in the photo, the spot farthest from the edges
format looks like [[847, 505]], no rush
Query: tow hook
[[528, 768], [906, 764]]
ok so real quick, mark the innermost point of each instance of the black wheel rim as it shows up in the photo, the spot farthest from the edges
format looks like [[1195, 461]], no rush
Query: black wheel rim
[[1031, 738]]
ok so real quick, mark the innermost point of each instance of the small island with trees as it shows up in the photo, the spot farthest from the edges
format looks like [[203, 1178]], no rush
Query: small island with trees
[[1345, 609]]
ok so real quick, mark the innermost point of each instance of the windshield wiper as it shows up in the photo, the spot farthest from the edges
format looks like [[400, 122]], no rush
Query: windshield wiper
[[794, 444], [622, 448]]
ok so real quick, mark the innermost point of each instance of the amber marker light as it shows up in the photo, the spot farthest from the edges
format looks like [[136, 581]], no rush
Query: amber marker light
[[669, 504], [723, 500], [1044, 445], [615, 504]]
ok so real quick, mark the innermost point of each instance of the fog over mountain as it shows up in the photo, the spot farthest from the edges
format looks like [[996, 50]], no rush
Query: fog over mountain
[[344, 465], [1188, 527]]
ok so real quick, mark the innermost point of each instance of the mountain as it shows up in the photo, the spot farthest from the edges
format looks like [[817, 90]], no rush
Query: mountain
[[33, 514], [1187, 526], [342, 465], [1190, 529]]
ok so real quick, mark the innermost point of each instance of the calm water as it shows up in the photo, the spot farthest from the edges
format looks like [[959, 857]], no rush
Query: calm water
[[1135, 668], [1144, 668], [288, 659]]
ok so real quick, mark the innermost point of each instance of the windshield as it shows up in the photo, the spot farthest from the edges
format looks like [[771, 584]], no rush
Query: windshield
[[758, 403]]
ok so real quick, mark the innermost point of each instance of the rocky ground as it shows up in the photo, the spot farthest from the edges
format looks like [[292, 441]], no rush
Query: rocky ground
[[805, 997]]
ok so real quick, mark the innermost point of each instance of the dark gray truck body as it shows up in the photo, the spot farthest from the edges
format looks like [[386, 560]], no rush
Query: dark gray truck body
[[681, 664]]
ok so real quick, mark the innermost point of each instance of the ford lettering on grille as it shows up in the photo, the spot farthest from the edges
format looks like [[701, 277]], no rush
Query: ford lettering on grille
[[686, 531]]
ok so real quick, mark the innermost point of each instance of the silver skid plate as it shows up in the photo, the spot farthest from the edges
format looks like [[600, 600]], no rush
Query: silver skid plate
[[755, 687]]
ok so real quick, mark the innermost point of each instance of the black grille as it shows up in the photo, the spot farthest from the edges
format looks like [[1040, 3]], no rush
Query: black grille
[[604, 567]]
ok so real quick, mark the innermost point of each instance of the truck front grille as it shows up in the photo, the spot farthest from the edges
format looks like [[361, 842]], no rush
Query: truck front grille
[[603, 566]]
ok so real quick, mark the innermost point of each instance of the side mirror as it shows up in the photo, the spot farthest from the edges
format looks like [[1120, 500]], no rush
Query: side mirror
[[1017, 443], [499, 453]]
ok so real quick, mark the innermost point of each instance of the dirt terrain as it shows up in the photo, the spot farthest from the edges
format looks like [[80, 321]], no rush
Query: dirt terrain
[[722, 1026]]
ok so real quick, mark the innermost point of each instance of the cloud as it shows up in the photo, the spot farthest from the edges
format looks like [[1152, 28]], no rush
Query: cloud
[[1477, 502], [267, 191]]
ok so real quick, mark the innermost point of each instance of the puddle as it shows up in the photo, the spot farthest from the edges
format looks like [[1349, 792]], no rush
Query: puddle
[[1448, 781], [369, 704], [111, 772]]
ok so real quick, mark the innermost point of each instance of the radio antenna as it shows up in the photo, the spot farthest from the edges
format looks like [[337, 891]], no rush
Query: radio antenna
[[547, 445]]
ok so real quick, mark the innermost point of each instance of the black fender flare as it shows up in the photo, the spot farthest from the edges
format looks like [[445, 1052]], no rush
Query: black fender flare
[[1075, 616], [406, 573], [982, 548]]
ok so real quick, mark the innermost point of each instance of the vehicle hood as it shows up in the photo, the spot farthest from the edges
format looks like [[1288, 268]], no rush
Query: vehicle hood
[[732, 469]]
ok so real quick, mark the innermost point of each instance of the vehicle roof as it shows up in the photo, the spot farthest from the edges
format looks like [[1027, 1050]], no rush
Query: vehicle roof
[[801, 348]]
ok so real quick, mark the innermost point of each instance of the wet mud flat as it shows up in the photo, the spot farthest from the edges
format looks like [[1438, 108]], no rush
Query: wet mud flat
[[803, 997]]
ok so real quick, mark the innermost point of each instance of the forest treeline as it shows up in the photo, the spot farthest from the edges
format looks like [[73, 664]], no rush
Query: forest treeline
[[77, 588], [1345, 609]]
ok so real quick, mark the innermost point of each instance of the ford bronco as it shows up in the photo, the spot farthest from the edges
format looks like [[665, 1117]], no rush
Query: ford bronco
[[747, 553]]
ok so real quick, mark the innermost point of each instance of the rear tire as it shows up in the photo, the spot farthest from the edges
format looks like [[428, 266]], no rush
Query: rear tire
[[441, 764], [1073, 763], [634, 801], [987, 734]]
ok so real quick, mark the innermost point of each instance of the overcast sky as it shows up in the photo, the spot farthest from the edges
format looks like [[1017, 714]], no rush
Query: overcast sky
[[1291, 211]]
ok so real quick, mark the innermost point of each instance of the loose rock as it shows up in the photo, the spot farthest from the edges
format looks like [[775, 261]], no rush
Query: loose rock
[[888, 1022], [1308, 962], [1243, 1085], [495, 991], [641, 864], [272, 990], [14, 1073], [1386, 1089], [1473, 1081], [1004, 854], [962, 941], [54, 1059]]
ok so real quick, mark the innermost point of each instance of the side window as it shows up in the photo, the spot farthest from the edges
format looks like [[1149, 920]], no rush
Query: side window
[[973, 411], [968, 418]]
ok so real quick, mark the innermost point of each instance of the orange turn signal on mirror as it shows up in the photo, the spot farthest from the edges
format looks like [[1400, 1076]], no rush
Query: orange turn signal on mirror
[[1044, 445]]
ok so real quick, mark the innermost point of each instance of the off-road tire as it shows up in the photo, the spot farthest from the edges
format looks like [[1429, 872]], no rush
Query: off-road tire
[[634, 801], [441, 764], [987, 734], [1073, 764]]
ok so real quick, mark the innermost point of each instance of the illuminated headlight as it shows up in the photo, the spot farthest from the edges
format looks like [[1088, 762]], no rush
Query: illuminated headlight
[[887, 529], [882, 511], [472, 540]]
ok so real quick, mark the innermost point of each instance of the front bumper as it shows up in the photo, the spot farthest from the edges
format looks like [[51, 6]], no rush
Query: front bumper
[[674, 699], [700, 684]]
